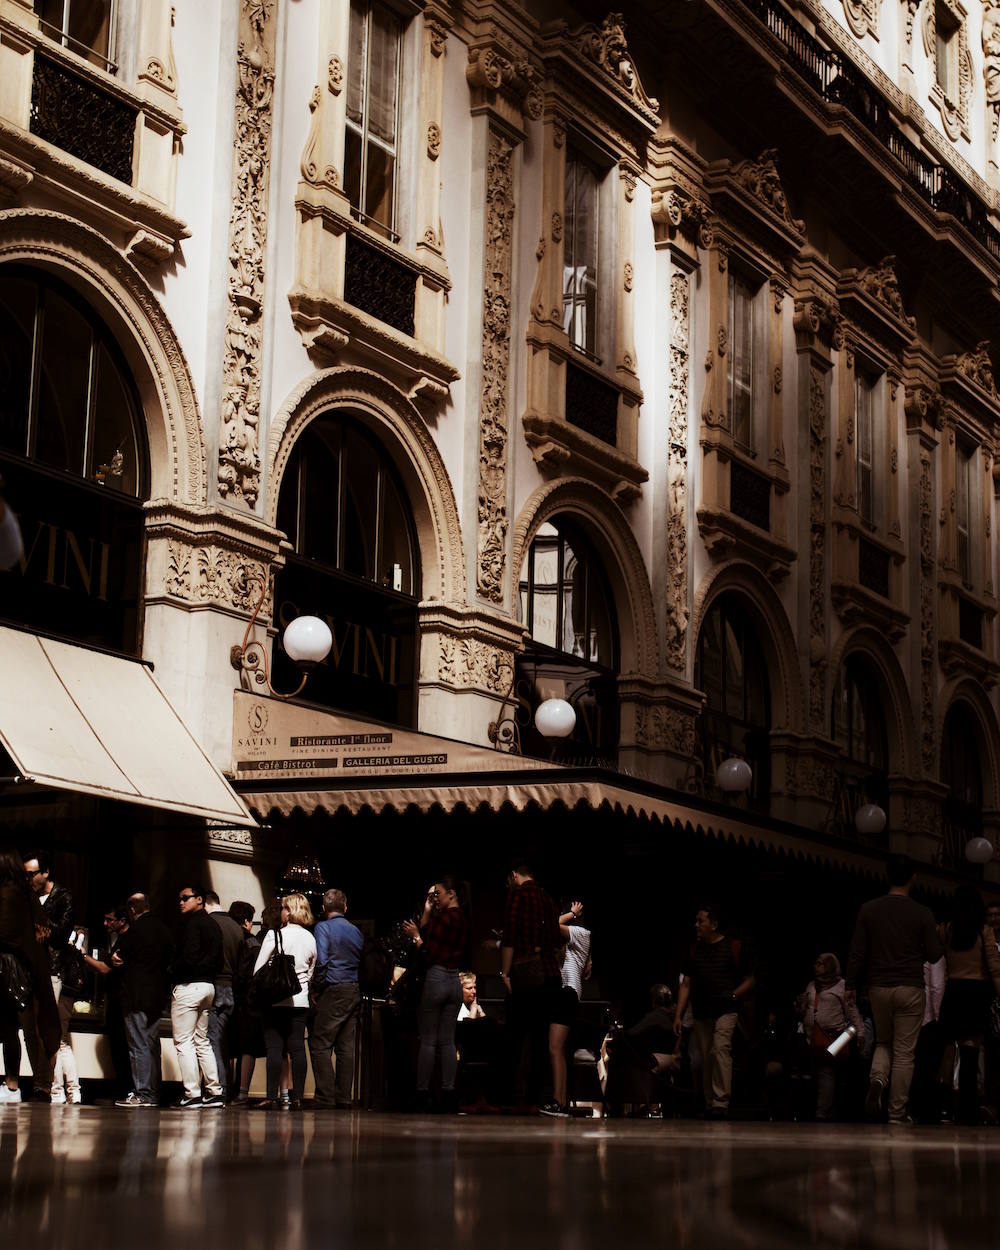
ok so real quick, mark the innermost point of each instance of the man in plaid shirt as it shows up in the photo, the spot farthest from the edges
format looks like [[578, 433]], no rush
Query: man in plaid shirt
[[530, 957]]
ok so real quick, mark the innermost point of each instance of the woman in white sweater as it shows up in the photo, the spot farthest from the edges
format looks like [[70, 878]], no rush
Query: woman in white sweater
[[285, 1022]]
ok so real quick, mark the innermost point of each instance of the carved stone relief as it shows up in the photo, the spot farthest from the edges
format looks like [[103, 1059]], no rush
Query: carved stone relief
[[927, 630], [239, 427], [664, 728], [469, 662], [951, 99], [817, 552], [991, 62], [493, 522], [677, 505], [881, 283], [212, 574], [607, 47], [862, 16], [977, 366], [761, 179]]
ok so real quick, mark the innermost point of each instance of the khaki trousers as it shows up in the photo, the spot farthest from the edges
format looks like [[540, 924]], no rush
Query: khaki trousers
[[898, 1011], [715, 1041]]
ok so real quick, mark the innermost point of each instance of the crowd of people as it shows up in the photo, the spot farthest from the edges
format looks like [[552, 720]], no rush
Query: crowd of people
[[909, 1031]]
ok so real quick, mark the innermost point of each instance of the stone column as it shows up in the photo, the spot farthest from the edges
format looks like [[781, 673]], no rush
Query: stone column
[[625, 355]]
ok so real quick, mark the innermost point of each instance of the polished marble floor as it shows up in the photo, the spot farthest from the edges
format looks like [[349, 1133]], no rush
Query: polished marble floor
[[101, 1179]]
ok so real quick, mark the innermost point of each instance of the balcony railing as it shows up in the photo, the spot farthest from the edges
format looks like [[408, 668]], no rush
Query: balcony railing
[[591, 405], [838, 80], [749, 495], [78, 115], [379, 285], [970, 623], [873, 567]]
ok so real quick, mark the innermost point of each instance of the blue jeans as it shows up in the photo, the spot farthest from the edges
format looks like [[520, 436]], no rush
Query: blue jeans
[[143, 1034], [437, 1017], [219, 1015]]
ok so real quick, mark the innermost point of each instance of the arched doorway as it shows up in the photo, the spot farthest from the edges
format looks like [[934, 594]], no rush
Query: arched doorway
[[858, 727], [355, 563], [565, 602], [731, 671], [75, 460]]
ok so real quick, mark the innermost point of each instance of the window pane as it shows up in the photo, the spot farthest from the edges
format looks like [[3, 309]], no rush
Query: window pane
[[602, 639], [711, 660], [740, 366], [51, 11], [580, 226], [735, 706], [396, 556], [379, 186], [360, 485], [17, 320], [320, 457], [288, 502], [352, 167], [864, 419], [64, 381], [114, 456], [356, 63], [545, 569], [574, 603], [383, 62], [90, 25]]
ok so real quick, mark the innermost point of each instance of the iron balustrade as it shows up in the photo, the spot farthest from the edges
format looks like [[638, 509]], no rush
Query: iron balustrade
[[379, 285], [749, 495], [591, 405], [81, 117], [970, 623], [873, 567], [836, 78]]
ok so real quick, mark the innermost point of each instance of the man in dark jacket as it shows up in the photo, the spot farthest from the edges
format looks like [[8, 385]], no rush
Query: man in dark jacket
[[57, 904], [143, 954], [198, 961], [220, 1016]]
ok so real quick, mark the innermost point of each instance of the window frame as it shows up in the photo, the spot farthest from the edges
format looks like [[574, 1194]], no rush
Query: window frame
[[870, 384], [947, 30], [106, 60], [577, 159], [759, 354], [965, 502], [358, 212]]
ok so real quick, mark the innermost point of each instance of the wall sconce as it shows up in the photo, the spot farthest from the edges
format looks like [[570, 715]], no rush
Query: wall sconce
[[307, 641], [869, 819], [554, 718], [979, 850], [734, 775]]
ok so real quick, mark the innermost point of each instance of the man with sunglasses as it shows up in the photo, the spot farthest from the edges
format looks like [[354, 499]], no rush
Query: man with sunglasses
[[197, 963]]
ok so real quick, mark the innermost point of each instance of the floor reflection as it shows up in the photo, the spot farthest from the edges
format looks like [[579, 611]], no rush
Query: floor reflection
[[262, 1181]]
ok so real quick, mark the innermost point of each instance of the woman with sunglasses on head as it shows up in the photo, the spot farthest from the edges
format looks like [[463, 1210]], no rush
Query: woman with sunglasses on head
[[285, 1022], [442, 937]]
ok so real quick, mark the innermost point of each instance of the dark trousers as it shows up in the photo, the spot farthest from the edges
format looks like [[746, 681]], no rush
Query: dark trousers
[[437, 1016], [334, 1029], [527, 1014], [285, 1032], [143, 1032], [220, 1016]]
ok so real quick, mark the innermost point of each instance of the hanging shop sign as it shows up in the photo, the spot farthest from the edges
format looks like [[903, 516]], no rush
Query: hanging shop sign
[[272, 738]]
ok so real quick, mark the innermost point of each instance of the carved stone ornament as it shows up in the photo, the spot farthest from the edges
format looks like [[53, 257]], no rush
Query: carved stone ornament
[[499, 69], [881, 283], [953, 107], [335, 75], [607, 47], [909, 15], [817, 315], [977, 366], [677, 613], [817, 553], [433, 141], [307, 166], [628, 275], [211, 574], [493, 522], [686, 214], [439, 37], [862, 16], [469, 662], [927, 595], [991, 61], [239, 454], [761, 179], [664, 728], [164, 74]]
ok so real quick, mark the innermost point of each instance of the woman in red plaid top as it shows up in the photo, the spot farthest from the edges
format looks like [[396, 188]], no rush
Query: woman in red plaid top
[[442, 938]]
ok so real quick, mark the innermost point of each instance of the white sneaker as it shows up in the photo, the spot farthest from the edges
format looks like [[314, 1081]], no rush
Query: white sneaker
[[584, 1056], [75, 1097], [58, 1096], [8, 1095]]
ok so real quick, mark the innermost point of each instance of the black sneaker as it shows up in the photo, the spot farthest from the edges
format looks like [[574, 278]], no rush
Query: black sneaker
[[554, 1109], [133, 1100], [189, 1104], [873, 1101], [216, 1100]]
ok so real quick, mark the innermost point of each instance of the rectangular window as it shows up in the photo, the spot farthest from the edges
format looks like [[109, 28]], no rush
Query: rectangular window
[[372, 115], [963, 470], [864, 403], [85, 27], [946, 50], [580, 226], [740, 361]]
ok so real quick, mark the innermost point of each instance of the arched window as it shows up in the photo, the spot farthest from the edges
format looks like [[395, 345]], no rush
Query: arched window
[[74, 457], [736, 718], [961, 772], [354, 563], [857, 726], [566, 604]]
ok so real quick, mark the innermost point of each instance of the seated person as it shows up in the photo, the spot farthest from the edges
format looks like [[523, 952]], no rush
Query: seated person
[[645, 1055], [471, 1008]]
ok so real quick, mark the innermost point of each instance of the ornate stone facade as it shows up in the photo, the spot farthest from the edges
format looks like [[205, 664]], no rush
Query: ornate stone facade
[[817, 548], [492, 519], [951, 98], [677, 612], [239, 418], [862, 16]]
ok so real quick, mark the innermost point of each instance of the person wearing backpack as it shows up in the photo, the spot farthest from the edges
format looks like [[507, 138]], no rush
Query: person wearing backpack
[[334, 1029], [827, 1015]]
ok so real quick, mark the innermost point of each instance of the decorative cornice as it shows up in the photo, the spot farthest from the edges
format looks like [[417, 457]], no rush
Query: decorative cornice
[[677, 211], [607, 47], [761, 178], [978, 367], [496, 71]]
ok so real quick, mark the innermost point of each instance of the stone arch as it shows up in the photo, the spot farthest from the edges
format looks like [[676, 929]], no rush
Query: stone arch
[[970, 692], [121, 296], [393, 419], [774, 632], [901, 730], [615, 543]]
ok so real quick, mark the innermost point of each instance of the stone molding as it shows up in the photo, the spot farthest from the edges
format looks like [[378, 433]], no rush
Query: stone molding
[[623, 560], [467, 649], [119, 293], [238, 477], [677, 611], [401, 429]]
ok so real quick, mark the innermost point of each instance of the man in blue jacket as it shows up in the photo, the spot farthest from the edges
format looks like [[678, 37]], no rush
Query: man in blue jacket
[[338, 1002]]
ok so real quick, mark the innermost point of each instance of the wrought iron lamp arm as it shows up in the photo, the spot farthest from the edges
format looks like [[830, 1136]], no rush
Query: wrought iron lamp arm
[[504, 732], [250, 658]]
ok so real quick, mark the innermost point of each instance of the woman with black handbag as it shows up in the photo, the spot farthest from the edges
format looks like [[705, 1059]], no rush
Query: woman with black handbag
[[24, 971], [280, 987]]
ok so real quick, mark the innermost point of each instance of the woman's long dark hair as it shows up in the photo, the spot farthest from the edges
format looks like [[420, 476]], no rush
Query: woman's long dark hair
[[968, 917], [464, 895], [12, 868]]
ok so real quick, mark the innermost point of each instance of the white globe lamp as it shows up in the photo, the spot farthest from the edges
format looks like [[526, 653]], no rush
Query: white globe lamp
[[307, 640], [979, 850], [555, 718], [734, 775], [869, 819]]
